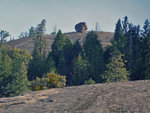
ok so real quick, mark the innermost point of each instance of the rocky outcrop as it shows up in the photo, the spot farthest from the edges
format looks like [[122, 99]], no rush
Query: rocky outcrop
[[125, 97], [81, 27]]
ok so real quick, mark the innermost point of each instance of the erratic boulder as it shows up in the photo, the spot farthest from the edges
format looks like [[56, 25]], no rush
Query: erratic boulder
[[81, 27]]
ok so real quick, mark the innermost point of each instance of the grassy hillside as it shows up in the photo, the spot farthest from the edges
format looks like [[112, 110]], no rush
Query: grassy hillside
[[125, 97], [27, 43]]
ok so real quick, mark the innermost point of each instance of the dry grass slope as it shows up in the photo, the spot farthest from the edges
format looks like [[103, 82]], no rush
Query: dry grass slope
[[27, 43], [126, 97]]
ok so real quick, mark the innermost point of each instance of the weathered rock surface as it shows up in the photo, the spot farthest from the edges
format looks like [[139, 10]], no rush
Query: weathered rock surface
[[81, 27], [127, 97]]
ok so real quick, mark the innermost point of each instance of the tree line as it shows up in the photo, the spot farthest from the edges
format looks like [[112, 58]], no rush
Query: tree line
[[127, 58]]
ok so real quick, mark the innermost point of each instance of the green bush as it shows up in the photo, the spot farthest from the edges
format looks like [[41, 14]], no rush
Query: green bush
[[90, 81], [50, 80]]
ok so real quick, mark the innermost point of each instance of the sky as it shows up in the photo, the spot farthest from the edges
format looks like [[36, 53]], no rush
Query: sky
[[18, 16]]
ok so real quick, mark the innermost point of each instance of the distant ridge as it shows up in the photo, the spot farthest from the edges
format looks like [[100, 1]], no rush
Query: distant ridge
[[27, 43]]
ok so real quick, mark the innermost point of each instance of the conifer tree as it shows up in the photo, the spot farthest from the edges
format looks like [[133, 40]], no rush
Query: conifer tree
[[77, 49], [116, 71], [134, 53], [62, 53], [40, 39], [3, 35], [80, 71], [146, 28], [5, 72], [147, 56], [94, 53], [119, 41], [36, 65], [125, 25], [32, 32], [19, 83], [13, 79], [57, 47], [49, 63]]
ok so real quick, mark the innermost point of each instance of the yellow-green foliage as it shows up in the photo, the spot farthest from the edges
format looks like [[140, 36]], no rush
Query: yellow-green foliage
[[13, 74], [90, 81], [50, 80], [116, 71]]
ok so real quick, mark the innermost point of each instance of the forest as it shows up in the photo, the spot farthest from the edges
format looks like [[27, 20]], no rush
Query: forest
[[69, 64]]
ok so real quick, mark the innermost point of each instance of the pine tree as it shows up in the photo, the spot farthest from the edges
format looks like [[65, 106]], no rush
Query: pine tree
[[80, 71], [36, 65], [65, 65], [108, 53], [32, 32], [19, 82], [13, 73], [49, 63], [94, 53], [119, 41], [5, 72], [77, 49], [147, 56], [116, 71], [146, 28], [125, 25], [57, 47], [40, 39], [62, 53], [3, 35], [134, 53]]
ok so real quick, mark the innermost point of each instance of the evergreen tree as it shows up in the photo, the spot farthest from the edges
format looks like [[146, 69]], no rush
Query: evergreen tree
[[19, 83], [108, 53], [119, 40], [5, 72], [134, 53], [146, 28], [57, 47], [36, 65], [32, 32], [125, 25], [3, 35], [116, 70], [49, 64], [62, 53], [80, 71], [65, 66], [66, 63], [24, 35], [20, 60], [13, 74], [77, 49], [40, 39], [147, 57], [94, 53]]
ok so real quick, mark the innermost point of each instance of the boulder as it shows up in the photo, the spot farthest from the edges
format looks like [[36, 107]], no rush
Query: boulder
[[81, 27]]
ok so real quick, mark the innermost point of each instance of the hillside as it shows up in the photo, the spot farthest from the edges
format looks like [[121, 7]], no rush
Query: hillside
[[126, 97], [27, 43]]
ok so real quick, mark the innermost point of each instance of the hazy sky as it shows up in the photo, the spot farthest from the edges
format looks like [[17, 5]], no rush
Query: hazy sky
[[19, 15]]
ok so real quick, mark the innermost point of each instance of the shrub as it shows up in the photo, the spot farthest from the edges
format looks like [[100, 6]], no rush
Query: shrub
[[50, 80], [90, 81]]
